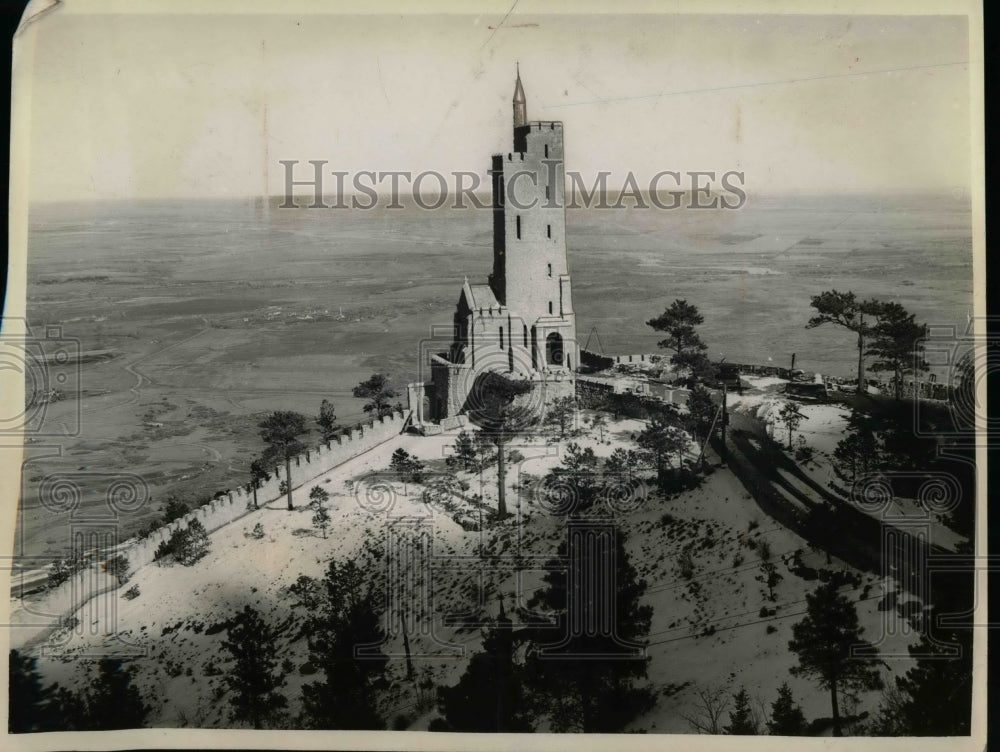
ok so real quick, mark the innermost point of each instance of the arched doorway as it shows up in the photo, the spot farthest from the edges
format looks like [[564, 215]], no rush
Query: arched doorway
[[554, 349]]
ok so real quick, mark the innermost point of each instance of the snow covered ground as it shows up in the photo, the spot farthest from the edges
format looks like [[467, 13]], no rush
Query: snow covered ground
[[708, 627]]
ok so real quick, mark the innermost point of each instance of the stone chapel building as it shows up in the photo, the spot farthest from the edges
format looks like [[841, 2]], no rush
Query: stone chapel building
[[521, 322]]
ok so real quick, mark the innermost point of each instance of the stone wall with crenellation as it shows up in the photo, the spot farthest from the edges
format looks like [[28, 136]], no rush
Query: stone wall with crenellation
[[35, 619]]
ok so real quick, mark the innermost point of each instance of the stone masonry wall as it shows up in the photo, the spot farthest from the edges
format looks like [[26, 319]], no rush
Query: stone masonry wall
[[36, 618]]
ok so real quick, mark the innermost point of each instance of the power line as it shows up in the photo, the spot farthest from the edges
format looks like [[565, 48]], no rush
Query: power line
[[755, 622], [731, 627], [668, 584], [762, 620]]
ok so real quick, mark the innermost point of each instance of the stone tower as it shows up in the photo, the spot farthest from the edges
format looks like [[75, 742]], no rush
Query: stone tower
[[522, 322], [530, 273]]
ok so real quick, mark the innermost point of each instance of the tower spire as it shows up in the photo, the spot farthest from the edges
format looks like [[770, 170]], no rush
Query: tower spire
[[520, 104]]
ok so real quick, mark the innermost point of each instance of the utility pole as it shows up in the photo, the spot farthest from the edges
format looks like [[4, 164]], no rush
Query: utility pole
[[715, 421], [725, 422], [719, 414]]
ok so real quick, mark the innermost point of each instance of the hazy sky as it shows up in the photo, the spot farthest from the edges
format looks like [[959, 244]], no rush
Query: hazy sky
[[173, 105]]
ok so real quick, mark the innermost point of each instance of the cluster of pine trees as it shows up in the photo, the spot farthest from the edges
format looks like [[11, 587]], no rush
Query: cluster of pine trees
[[111, 701], [550, 673], [882, 440], [186, 545], [283, 432], [345, 611], [521, 677], [554, 672], [933, 698], [746, 717], [884, 330]]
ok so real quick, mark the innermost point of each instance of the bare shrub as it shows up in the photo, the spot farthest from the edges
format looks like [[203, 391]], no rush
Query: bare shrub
[[705, 713]]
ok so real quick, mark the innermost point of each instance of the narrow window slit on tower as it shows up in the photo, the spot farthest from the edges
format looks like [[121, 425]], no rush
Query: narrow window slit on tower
[[546, 151], [518, 220], [550, 307], [548, 231], [546, 192], [501, 338], [550, 270]]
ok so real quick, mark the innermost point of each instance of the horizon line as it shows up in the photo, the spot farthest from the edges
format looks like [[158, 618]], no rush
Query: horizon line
[[403, 197]]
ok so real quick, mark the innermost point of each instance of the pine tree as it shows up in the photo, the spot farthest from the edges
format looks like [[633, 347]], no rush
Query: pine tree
[[622, 462], [187, 545], [937, 692], [588, 680], [408, 467], [786, 716], [174, 509], [171, 546], [117, 566], [327, 420], [318, 495], [770, 577], [792, 417], [501, 418], [891, 717], [678, 322], [112, 701], [661, 439], [464, 451], [350, 617], [617, 463], [258, 474], [379, 392], [857, 454], [573, 482], [490, 696], [255, 678], [561, 414], [486, 451], [845, 310], [194, 545], [897, 342], [321, 519], [828, 641], [281, 431], [741, 720], [27, 697], [64, 710]]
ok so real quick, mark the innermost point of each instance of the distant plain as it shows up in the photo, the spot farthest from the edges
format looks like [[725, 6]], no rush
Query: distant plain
[[221, 310]]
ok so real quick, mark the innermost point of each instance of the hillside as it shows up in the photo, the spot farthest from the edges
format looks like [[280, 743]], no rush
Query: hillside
[[699, 551]]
